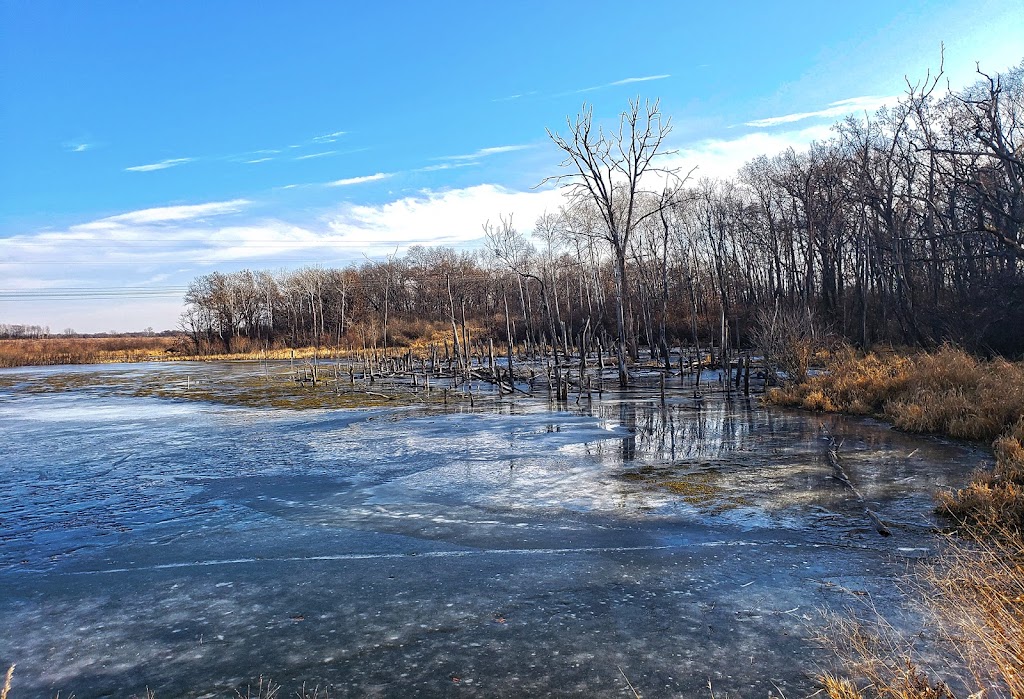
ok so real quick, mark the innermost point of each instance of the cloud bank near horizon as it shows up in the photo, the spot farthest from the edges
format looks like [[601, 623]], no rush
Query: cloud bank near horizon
[[166, 247]]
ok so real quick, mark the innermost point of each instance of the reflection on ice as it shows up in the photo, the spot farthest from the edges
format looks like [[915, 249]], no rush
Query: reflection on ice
[[189, 547]]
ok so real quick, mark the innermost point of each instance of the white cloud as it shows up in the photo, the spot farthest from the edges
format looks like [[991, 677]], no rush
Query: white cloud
[[486, 152], [450, 217], [164, 214], [316, 155], [257, 160], [162, 165], [359, 180], [624, 81], [835, 109], [724, 157]]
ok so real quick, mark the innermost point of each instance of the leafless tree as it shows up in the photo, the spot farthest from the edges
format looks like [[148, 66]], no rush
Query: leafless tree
[[607, 169]]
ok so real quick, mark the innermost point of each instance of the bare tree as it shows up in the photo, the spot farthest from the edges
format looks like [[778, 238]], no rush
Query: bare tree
[[508, 245], [608, 169]]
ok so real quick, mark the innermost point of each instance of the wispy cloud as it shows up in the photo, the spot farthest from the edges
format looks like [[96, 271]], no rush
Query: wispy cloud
[[485, 152], [77, 145], [447, 166], [643, 79], [360, 180], [257, 160], [164, 214], [328, 138], [321, 154], [847, 106], [510, 98], [624, 81], [162, 165]]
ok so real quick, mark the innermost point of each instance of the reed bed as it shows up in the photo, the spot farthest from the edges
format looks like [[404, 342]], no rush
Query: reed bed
[[83, 350]]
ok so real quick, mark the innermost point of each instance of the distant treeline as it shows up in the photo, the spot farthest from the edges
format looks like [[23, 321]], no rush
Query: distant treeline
[[903, 227], [12, 331], [16, 331]]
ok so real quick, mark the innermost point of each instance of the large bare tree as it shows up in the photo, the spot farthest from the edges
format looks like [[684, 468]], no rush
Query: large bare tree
[[610, 170]]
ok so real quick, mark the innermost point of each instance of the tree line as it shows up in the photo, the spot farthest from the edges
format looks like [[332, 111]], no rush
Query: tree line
[[902, 227]]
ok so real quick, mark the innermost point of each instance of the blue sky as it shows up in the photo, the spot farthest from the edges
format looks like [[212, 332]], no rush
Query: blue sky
[[145, 143]]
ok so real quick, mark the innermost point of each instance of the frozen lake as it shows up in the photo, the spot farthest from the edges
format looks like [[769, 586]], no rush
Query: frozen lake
[[511, 549]]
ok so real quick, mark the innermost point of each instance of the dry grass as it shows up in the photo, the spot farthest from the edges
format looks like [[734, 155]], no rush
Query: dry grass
[[994, 501], [264, 689], [944, 392], [7, 683], [83, 350], [972, 602]]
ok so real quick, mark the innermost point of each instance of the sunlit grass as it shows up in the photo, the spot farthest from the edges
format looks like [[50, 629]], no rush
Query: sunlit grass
[[83, 350], [971, 601], [944, 392]]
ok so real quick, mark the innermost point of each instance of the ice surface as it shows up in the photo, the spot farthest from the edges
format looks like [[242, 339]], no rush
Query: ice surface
[[513, 550]]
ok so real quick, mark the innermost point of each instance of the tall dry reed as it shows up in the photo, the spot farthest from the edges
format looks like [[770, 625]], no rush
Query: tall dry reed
[[972, 602]]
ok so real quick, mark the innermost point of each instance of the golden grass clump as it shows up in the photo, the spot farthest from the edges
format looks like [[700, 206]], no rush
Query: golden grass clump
[[994, 501], [944, 392], [858, 385]]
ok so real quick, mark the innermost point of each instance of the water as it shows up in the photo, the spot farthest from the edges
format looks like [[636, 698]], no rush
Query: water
[[513, 550]]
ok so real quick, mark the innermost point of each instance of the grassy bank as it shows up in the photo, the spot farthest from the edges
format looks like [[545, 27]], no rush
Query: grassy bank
[[83, 350], [947, 392], [972, 595], [110, 350]]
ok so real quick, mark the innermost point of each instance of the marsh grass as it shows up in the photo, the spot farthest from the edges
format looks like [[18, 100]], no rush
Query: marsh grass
[[110, 350], [83, 350], [994, 500], [972, 596], [971, 601], [945, 392]]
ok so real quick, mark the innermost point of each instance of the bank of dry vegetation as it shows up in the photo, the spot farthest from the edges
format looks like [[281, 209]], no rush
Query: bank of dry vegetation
[[973, 595], [947, 392], [46, 351]]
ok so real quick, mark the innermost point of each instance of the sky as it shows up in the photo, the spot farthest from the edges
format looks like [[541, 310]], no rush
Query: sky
[[143, 144]]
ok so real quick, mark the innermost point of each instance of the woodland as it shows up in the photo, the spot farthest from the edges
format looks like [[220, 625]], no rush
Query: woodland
[[905, 227]]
